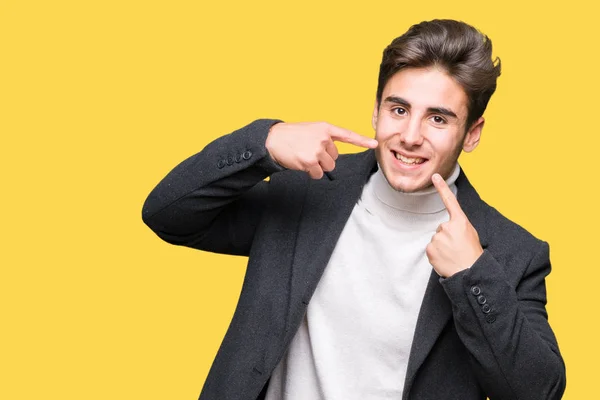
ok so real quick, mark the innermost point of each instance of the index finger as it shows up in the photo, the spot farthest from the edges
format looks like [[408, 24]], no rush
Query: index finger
[[347, 136], [447, 196]]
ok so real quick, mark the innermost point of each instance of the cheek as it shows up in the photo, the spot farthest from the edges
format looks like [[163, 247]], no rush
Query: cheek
[[445, 145], [385, 129]]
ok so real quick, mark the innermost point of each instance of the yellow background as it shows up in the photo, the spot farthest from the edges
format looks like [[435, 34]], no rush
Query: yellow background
[[100, 99]]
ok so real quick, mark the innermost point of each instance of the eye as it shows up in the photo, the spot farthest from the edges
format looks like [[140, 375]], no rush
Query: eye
[[399, 111], [438, 120]]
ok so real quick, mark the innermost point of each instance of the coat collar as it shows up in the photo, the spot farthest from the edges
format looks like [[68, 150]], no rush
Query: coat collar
[[355, 170]]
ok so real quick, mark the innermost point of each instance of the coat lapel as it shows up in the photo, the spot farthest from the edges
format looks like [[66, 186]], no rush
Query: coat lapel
[[433, 316], [327, 207], [436, 308]]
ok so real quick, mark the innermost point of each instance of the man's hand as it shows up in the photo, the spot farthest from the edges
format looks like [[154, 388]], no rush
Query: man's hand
[[309, 146], [455, 245]]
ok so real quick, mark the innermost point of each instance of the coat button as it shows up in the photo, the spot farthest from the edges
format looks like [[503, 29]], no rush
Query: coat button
[[481, 299], [486, 308], [230, 160], [476, 290], [247, 154], [221, 164], [490, 318], [238, 158]]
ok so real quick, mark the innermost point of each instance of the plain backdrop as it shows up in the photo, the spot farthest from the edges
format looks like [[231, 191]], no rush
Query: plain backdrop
[[100, 99]]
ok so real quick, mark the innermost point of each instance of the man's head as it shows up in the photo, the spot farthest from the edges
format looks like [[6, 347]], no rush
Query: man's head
[[435, 82]]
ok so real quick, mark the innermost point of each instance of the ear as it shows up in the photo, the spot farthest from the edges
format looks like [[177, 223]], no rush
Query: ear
[[473, 135], [375, 114]]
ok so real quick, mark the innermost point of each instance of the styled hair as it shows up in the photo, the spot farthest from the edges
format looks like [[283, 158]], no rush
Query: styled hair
[[459, 49]]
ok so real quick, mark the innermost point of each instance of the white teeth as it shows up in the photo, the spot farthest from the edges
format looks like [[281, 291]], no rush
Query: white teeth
[[407, 160]]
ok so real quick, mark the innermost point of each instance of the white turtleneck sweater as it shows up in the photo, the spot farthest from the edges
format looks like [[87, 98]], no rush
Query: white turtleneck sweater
[[356, 336]]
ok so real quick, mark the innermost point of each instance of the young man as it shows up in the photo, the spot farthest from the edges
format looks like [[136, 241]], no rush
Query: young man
[[378, 275]]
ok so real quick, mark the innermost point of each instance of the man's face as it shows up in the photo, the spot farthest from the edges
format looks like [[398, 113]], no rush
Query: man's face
[[420, 127]]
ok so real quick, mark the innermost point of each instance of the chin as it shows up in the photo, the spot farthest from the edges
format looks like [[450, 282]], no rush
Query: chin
[[409, 188], [406, 184]]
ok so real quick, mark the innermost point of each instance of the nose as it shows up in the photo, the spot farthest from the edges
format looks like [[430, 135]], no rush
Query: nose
[[411, 134]]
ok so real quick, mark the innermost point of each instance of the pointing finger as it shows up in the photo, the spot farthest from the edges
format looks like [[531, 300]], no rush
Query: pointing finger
[[447, 196], [347, 136]]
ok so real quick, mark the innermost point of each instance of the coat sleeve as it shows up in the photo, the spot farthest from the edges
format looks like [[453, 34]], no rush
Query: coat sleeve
[[505, 328], [213, 200]]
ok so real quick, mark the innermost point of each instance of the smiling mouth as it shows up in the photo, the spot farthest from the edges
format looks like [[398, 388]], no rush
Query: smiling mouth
[[408, 160]]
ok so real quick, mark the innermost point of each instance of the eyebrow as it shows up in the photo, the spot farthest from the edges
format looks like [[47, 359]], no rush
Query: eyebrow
[[431, 110]]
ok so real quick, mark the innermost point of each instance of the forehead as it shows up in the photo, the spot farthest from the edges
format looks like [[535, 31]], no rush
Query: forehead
[[427, 88]]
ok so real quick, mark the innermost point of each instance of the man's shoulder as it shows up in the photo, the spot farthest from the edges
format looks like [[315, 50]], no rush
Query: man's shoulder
[[507, 238], [499, 231], [516, 230]]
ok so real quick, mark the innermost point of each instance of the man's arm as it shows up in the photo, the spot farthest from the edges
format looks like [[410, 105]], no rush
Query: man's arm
[[214, 199], [505, 328], [514, 351]]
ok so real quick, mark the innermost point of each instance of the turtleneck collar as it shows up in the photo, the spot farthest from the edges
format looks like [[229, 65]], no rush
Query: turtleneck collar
[[425, 201]]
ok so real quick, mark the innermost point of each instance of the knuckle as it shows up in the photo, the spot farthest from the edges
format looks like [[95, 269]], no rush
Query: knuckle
[[311, 163], [429, 250], [307, 163]]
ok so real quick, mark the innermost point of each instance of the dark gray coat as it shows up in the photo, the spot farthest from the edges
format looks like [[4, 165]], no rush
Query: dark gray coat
[[218, 201]]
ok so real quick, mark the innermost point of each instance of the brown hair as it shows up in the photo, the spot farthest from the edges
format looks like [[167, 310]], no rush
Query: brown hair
[[458, 48]]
